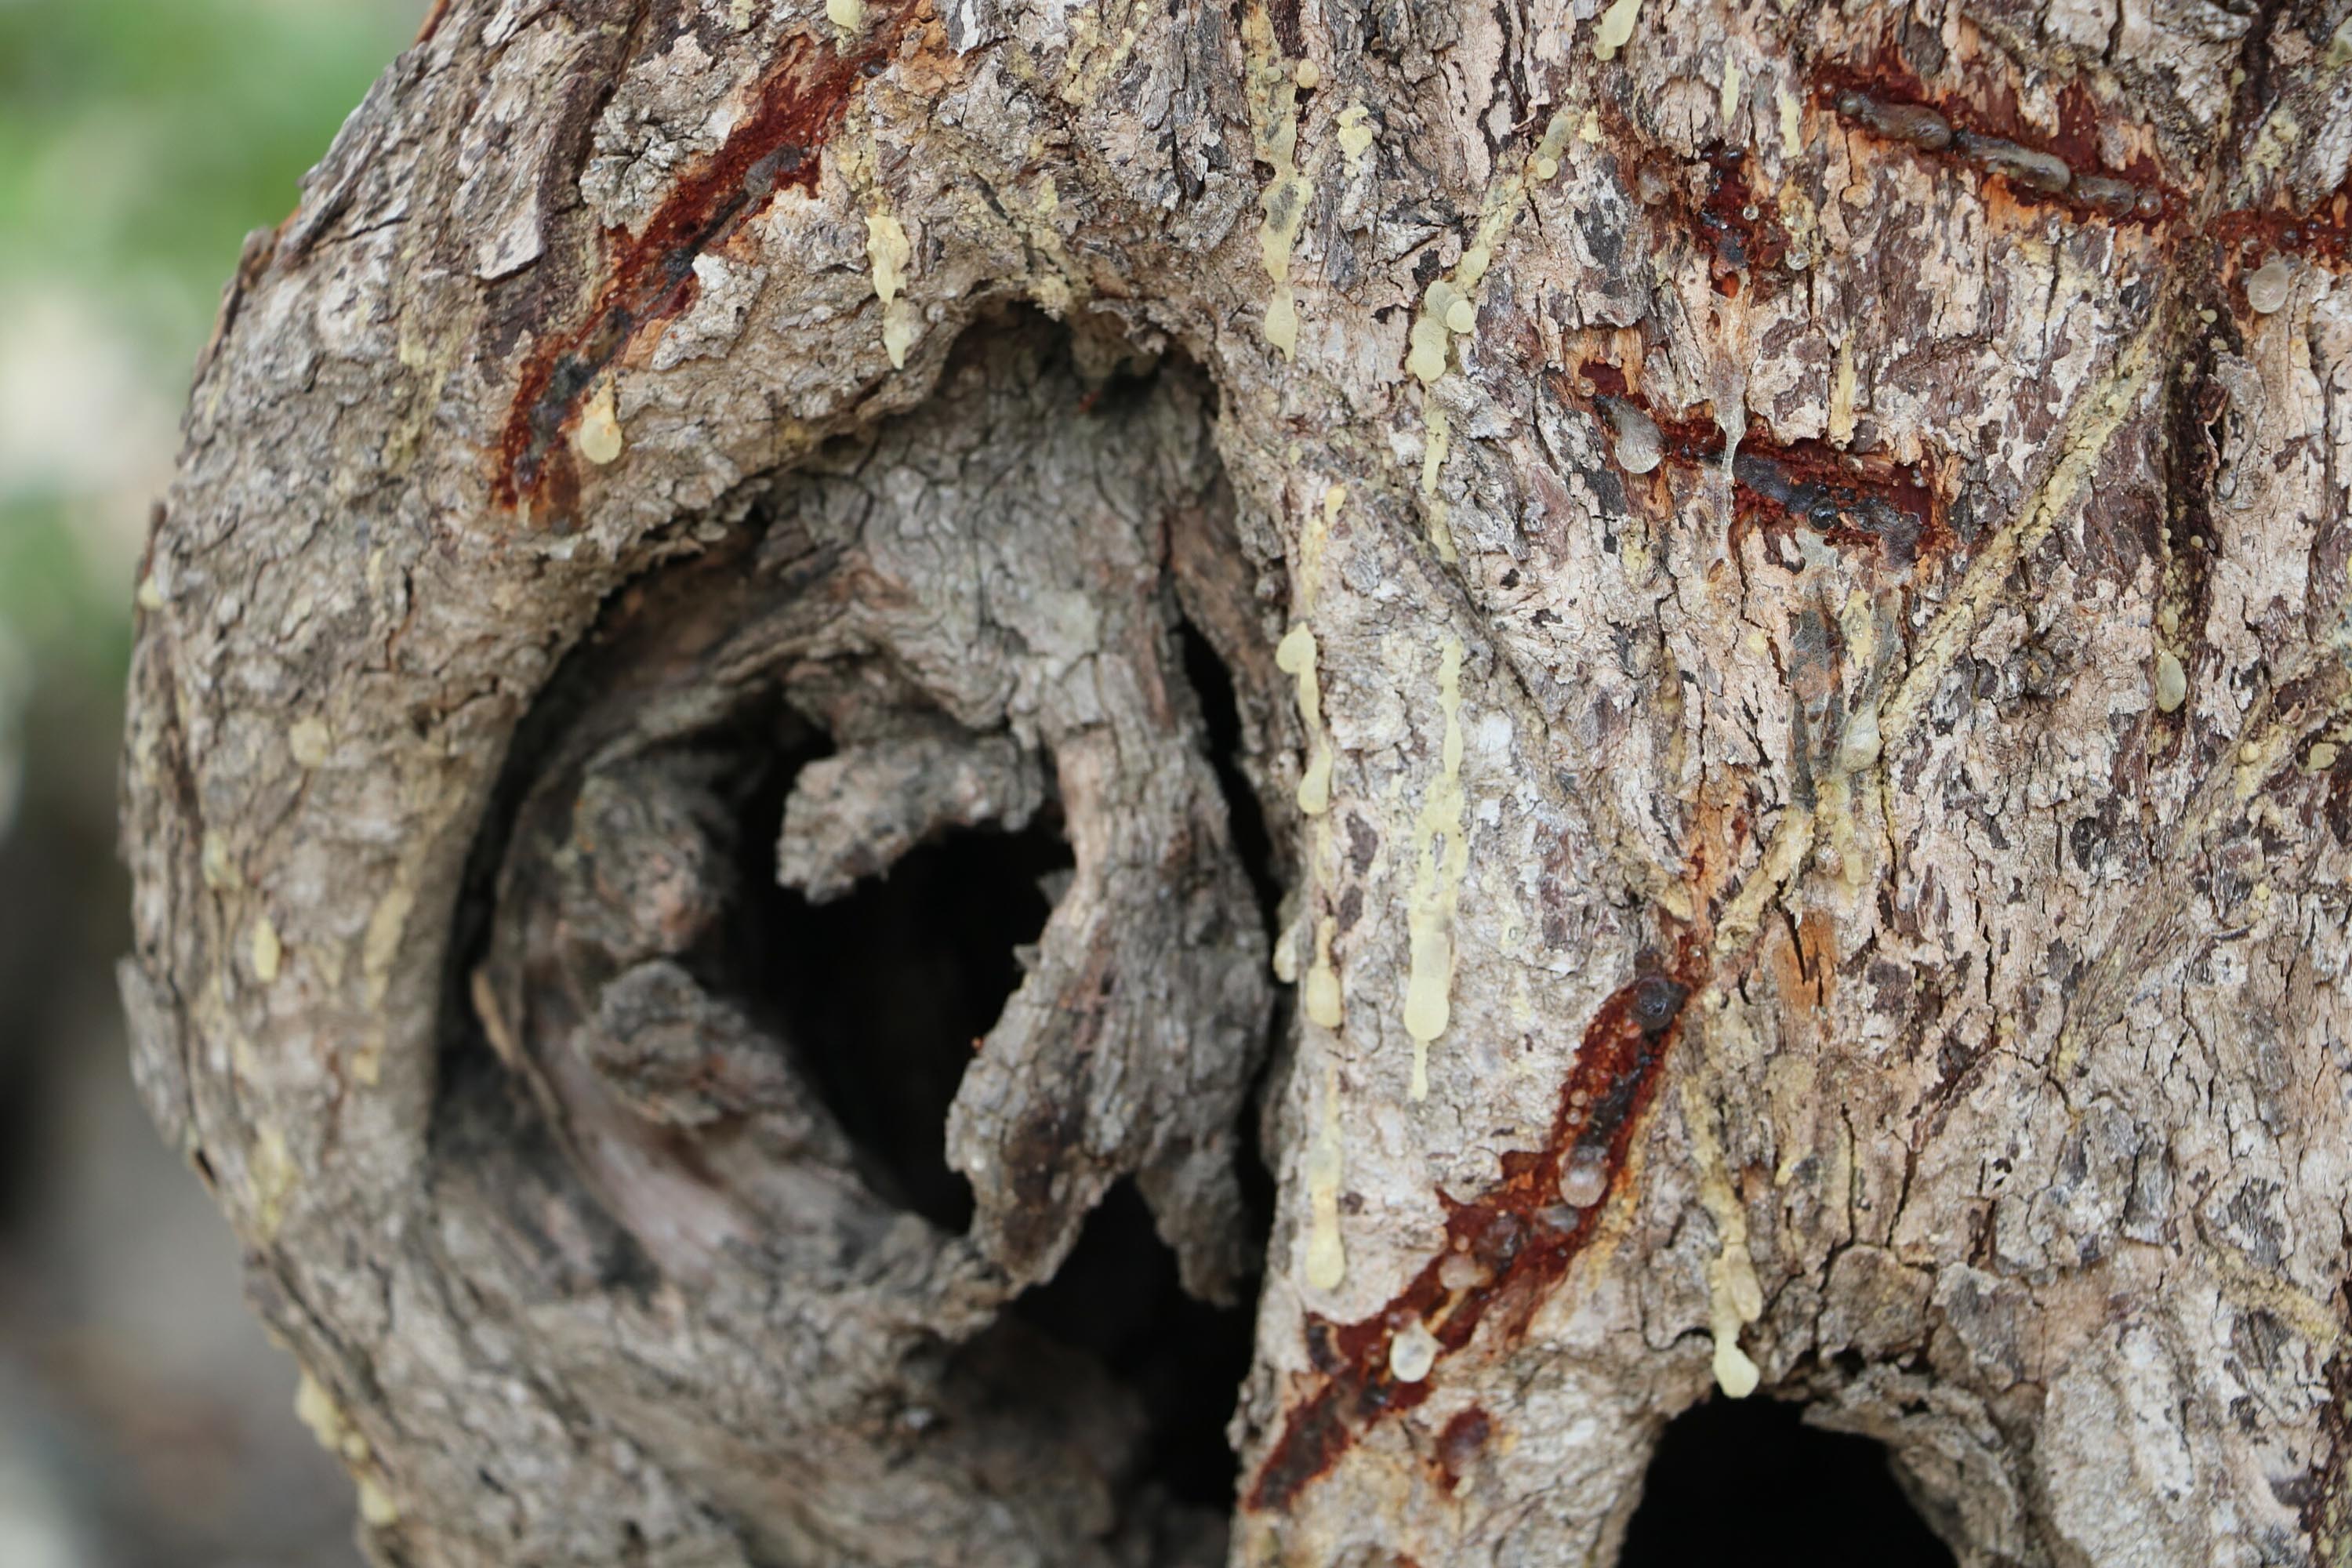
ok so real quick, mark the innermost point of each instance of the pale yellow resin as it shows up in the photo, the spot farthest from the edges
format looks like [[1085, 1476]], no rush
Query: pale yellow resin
[[891, 256], [2171, 681], [1327, 1260], [599, 435], [308, 741], [1449, 309], [1295, 657], [1436, 886], [267, 951], [1274, 85], [1320, 995], [887, 248], [901, 323], [1616, 28]]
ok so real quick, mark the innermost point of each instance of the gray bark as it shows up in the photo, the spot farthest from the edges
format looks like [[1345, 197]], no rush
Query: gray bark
[[1783, 578]]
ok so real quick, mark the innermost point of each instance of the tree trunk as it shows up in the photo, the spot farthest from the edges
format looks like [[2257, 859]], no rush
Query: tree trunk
[[1693, 664]]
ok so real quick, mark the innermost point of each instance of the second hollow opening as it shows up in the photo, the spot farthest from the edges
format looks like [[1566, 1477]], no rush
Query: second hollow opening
[[1118, 1298], [1747, 1481]]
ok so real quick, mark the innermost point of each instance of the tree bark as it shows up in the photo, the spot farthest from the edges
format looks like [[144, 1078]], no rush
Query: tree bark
[[1695, 661]]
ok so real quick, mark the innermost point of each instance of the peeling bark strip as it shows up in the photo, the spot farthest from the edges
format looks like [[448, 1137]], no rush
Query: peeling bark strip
[[1505, 1253], [731, 1001]]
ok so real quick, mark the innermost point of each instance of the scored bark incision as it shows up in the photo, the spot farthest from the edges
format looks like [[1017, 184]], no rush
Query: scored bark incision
[[1808, 484], [1508, 1249], [806, 657], [649, 277]]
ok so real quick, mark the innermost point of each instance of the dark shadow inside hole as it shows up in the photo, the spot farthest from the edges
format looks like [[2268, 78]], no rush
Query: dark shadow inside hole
[[885, 991], [1117, 1297], [1212, 687], [1747, 1481], [1221, 714]]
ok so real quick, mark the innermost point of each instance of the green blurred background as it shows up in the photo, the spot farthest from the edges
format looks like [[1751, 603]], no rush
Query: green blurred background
[[143, 1419]]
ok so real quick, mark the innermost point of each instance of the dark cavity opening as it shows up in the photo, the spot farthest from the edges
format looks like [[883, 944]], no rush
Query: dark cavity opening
[[1118, 1298], [886, 992], [1221, 715], [1746, 1481]]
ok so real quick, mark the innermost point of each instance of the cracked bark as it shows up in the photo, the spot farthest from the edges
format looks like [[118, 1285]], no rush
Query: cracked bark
[[1716, 709]]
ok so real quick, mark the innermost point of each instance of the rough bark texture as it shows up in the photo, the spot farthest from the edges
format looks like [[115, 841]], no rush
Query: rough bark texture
[[1782, 574]]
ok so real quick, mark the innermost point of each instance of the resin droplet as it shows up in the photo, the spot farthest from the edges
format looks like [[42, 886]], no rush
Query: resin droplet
[[1426, 359], [2034, 170], [1437, 881], [1323, 1002], [1325, 1168], [902, 322], [1321, 997], [267, 951], [1282, 320], [1922, 127], [2115, 198], [889, 253], [1657, 1000], [1443, 302], [1733, 1372], [1585, 1182], [1460, 1271], [1412, 1353], [1429, 986], [309, 741], [1295, 655], [599, 434], [2171, 681], [1639, 448], [2267, 291], [1616, 28]]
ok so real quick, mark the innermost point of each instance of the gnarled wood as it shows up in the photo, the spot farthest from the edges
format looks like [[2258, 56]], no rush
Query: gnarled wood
[[1781, 577]]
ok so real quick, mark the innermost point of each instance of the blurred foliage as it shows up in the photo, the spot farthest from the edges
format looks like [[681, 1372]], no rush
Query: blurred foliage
[[143, 1421], [140, 140], [50, 601]]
